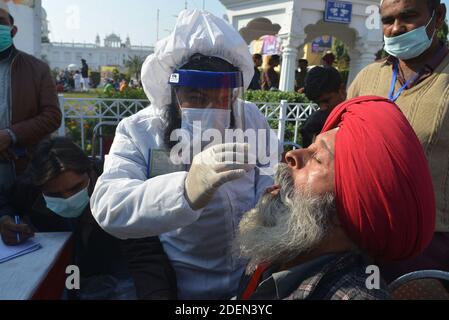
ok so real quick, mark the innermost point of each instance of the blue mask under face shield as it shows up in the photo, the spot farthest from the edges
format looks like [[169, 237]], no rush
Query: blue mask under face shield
[[411, 44]]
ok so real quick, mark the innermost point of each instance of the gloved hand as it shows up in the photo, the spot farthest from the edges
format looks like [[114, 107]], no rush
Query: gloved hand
[[214, 167]]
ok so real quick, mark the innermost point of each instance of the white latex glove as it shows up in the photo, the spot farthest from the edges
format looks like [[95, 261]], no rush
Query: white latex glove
[[214, 167]]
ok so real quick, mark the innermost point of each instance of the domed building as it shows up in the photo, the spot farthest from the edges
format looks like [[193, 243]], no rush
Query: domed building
[[45, 32], [113, 52], [112, 41]]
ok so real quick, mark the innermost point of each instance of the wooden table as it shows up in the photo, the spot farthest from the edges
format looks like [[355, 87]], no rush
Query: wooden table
[[39, 275]]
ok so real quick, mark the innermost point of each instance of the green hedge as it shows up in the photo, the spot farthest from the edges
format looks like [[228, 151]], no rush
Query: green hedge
[[128, 94], [250, 95], [73, 127], [275, 96]]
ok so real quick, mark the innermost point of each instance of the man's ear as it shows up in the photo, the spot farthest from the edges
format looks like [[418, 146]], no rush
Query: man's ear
[[14, 31], [440, 15]]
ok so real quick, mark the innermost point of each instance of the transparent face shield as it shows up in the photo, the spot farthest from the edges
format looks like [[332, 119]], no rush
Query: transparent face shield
[[207, 90], [212, 109], [210, 103]]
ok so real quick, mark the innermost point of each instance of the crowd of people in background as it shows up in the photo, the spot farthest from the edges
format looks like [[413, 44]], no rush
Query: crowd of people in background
[[70, 80], [267, 77], [79, 80], [322, 85], [111, 86]]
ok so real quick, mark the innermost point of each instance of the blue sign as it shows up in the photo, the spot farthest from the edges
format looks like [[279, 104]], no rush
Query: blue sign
[[322, 44], [337, 11]]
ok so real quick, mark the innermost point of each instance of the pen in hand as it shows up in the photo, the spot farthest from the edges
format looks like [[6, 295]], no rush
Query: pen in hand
[[17, 221]]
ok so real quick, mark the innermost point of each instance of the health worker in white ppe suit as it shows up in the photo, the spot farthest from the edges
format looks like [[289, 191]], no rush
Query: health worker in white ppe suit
[[193, 80]]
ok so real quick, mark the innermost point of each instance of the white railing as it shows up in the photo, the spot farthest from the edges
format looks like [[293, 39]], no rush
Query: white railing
[[89, 114], [286, 116]]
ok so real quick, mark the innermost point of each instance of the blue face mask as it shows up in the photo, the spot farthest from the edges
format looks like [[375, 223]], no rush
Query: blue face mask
[[5, 37], [411, 44], [72, 207]]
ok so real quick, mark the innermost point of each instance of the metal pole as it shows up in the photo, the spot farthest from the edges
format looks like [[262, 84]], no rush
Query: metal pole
[[61, 130], [82, 132], [204, 4], [282, 121], [157, 27]]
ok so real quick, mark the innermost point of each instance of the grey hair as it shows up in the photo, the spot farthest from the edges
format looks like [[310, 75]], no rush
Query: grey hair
[[283, 227]]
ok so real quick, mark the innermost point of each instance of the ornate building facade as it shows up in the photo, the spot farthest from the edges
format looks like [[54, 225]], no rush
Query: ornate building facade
[[299, 22], [113, 51]]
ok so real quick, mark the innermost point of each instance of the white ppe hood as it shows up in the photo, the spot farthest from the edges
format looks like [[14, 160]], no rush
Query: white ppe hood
[[195, 32]]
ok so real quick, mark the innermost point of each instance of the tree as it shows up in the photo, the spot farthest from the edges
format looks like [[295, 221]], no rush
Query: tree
[[341, 53], [443, 32], [342, 58], [134, 65]]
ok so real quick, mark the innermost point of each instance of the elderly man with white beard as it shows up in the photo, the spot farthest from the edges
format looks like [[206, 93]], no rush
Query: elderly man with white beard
[[361, 194]]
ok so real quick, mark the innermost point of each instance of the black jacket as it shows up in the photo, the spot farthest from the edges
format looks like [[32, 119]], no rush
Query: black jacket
[[96, 252], [256, 81], [85, 71], [313, 127]]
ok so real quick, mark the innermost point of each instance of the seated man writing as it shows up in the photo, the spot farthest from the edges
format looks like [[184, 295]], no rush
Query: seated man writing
[[361, 193], [54, 197]]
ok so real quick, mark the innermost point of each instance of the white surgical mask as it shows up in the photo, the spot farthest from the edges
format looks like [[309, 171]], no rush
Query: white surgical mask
[[411, 44], [72, 207], [205, 119]]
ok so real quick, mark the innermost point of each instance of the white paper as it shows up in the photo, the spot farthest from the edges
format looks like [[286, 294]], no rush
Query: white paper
[[11, 252]]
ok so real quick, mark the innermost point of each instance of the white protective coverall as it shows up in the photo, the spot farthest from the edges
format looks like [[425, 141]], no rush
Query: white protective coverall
[[128, 204]]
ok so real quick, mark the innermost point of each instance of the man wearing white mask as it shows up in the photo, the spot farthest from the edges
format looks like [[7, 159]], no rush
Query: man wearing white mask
[[416, 77], [194, 81]]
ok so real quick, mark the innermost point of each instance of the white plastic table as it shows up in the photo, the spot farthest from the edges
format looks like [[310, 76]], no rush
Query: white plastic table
[[20, 278]]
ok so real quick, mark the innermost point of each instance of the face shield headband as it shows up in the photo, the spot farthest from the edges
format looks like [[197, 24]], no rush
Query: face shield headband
[[206, 79]]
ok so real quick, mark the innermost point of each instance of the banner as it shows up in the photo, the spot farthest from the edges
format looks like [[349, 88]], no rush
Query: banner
[[322, 44], [28, 3], [271, 45], [266, 46]]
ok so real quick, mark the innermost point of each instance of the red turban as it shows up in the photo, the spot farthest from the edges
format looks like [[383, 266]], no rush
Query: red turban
[[384, 192]]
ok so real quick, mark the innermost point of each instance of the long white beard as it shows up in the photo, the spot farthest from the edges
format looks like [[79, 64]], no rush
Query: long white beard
[[285, 226]]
